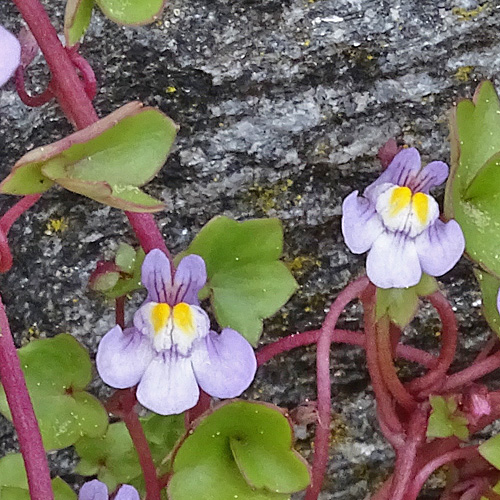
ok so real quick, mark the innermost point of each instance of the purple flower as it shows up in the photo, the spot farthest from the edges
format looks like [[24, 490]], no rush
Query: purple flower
[[95, 490], [397, 222], [170, 350], [10, 55]]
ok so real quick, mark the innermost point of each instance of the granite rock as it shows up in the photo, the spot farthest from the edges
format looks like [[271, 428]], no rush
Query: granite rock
[[282, 107]]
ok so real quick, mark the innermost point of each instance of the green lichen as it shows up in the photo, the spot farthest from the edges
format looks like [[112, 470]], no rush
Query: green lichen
[[468, 15], [272, 197]]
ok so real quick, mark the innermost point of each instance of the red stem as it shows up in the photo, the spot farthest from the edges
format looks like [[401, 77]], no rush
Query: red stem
[[25, 203], [123, 404], [34, 101], [120, 311], [488, 347], [477, 370], [201, 407], [431, 466], [387, 368], [88, 75], [322, 438], [285, 344], [449, 339], [384, 401], [23, 416]]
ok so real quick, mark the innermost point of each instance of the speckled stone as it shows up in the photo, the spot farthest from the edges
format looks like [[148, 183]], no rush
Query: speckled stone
[[282, 107]]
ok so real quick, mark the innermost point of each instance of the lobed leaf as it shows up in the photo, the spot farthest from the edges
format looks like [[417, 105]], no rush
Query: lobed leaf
[[57, 370], [446, 420], [240, 450], [132, 12], [490, 451], [489, 290], [246, 280]]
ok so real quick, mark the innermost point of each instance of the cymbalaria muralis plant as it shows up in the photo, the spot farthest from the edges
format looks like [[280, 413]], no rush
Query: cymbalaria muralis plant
[[171, 358]]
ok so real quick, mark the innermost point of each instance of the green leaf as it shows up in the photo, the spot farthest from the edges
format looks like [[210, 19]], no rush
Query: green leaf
[[241, 450], [400, 304], [105, 281], [489, 290], [56, 371], [472, 192], [446, 420], [107, 161], [132, 12], [125, 258], [14, 483], [76, 20], [246, 279], [490, 451], [113, 457], [129, 284]]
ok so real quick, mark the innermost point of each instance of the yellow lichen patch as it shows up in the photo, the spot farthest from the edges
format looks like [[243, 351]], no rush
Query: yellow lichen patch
[[421, 206], [339, 431], [302, 264], [467, 15], [271, 198], [183, 318], [306, 43], [160, 314], [400, 199], [170, 89], [463, 73], [55, 226]]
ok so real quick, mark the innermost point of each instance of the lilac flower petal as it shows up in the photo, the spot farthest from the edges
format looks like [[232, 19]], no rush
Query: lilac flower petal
[[400, 171], [122, 357], [393, 261], [433, 174], [10, 55], [127, 492], [93, 490], [156, 275], [190, 278], [169, 386], [224, 364], [440, 247], [361, 225]]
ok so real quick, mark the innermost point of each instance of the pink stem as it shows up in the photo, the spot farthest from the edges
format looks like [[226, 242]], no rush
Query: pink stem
[[384, 401], [25, 203], [322, 438], [34, 101], [197, 411], [449, 346], [23, 416], [406, 455], [120, 311], [488, 347], [88, 75], [269, 351], [477, 370], [387, 368], [430, 467]]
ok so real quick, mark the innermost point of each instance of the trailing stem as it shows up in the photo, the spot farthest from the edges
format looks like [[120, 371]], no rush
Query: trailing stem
[[322, 438], [23, 416]]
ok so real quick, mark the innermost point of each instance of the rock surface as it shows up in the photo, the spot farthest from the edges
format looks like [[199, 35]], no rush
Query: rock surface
[[282, 107]]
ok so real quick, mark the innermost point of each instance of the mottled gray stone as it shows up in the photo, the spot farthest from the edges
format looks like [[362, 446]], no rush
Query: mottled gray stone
[[282, 107]]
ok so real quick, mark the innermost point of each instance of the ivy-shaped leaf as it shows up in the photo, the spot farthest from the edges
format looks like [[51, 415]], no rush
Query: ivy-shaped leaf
[[240, 450], [446, 420], [490, 451], [473, 189], [246, 280], [14, 482], [489, 290], [107, 161], [57, 370], [77, 19], [132, 12], [401, 304], [113, 457]]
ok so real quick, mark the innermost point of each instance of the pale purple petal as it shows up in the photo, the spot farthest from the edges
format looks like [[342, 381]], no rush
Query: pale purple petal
[[127, 492], [93, 490], [361, 225], [156, 276], [433, 174], [169, 386], [122, 357], [400, 171], [10, 55], [498, 301], [190, 278], [393, 261], [440, 247], [224, 364]]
